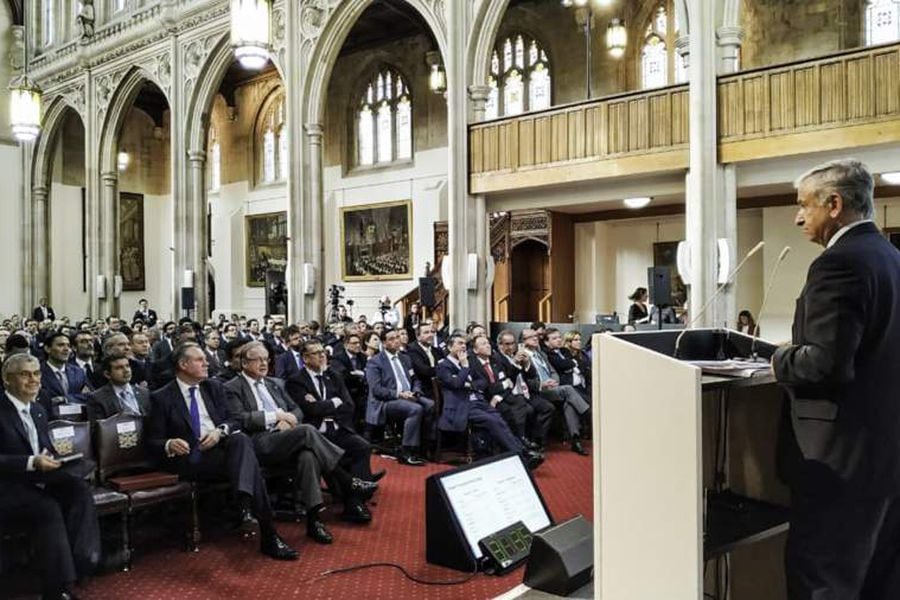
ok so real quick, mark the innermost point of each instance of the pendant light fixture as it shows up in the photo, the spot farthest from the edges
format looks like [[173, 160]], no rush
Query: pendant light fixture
[[25, 100], [250, 32]]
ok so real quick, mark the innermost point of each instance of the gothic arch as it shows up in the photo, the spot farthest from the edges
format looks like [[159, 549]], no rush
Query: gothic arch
[[120, 103], [329, 44], [731, 14], [54, 118]]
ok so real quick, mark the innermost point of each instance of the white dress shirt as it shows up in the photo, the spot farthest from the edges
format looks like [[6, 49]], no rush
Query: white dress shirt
[[271, 416], [206, 422], [30, 428]]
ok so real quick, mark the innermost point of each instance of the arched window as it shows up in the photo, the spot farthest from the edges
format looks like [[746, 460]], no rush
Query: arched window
[[384, 120], [520, 77], [882, 21], [215, 160], [271, 140], [660, 63]]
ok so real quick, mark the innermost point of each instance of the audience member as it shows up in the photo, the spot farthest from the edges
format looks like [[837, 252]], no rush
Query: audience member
[[639, 311], [518, 370], [118, 395]]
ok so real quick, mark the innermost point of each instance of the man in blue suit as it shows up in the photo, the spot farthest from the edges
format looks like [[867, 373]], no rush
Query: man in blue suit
[[463, 404], [289, 363], [396, 393], [62, 381]]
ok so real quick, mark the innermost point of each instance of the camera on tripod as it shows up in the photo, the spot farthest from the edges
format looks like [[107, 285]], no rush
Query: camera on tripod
[[335, 293]]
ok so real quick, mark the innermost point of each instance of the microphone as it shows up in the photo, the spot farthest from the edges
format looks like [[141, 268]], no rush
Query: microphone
[[718, 291], [784, 252]]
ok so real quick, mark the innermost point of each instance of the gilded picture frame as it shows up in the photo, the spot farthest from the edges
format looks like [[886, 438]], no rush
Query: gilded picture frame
[[376, 241], [265, 246]]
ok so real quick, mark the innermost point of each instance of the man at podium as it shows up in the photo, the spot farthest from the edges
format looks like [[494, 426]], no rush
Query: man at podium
[[843, 459]]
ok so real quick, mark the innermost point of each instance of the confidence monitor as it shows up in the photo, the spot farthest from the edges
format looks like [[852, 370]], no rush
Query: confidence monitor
[[464, 505]]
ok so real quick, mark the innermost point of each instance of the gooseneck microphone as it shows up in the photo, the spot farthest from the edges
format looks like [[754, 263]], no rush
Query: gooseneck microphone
[[718, 291], [755, 333]]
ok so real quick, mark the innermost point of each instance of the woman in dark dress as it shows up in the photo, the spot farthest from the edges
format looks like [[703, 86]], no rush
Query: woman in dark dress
[[639, 311]]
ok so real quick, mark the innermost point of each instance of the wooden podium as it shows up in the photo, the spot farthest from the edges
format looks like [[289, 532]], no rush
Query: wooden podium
[[686, 496]]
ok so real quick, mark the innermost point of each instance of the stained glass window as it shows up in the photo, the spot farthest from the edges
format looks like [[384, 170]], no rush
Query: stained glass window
[[882, 21], [520, 77], [384, 120], [660, 63]]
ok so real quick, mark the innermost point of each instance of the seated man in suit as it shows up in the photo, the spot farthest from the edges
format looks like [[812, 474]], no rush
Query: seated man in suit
[[118, 396], [43, 312], [262, 408], [518, 370], [139, 348], [489, 378], [84, 354], [61, 381], [215, 355], [349, 361], [191, 433], [396, 393], [545, 382], [463, 404], [327, 406], [290, 362], [566, 366], [54, 505], [423, 355]]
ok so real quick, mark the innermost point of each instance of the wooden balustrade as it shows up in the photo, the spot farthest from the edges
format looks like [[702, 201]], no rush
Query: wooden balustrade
[[545, 308]]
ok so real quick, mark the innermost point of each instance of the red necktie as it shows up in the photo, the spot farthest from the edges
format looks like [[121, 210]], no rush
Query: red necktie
[[490, 373]]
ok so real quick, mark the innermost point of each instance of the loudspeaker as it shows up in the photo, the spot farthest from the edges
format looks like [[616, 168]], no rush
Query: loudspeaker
[[426, 292], [187, 298], [562, 558], [659, 284]]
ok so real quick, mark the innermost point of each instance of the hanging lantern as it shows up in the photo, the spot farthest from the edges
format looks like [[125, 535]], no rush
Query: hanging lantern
[[616, 38], [123, 159], [25, 110], [250, 28], [437, 80]]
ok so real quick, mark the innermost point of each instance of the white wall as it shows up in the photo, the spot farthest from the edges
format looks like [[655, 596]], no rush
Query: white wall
[[68, 295], [424, 183], [13, 251]]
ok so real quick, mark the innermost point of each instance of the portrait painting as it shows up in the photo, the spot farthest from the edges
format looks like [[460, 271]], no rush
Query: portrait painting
[[665, 254], [376, 241], [131, 248], [266, 246]]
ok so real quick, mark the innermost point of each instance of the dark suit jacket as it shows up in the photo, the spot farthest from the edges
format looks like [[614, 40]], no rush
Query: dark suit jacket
[[482, 382], [161, 350], [51, 387], [170, 418], [140, 370], [216, 360], [286, 365], [38, 315], [564, 364], [302, 384], [243, 408], [14, 446], [383, 385], [424, 370], [456, 390], [149, 319], [841, 371], [104, 402]]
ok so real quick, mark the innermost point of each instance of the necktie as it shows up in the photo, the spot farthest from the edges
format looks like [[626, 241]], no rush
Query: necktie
[[195, 412], [321, 384], [429, 355], [88, 370], [489, 371], [63, 381], [264, 396], [297, 359], [353, 362], [399, 374], [31, 430], [130, 403]]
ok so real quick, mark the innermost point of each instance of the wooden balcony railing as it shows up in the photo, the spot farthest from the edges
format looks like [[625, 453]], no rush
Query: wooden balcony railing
[[605, 137], [840, 101], [545, 308]]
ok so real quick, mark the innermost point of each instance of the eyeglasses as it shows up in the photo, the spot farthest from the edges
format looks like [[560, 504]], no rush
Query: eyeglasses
[[315, 353], [256, 359]]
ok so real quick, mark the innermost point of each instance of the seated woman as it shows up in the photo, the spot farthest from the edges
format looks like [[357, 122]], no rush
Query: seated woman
[[572, 348], [746, 323], [639, 311]]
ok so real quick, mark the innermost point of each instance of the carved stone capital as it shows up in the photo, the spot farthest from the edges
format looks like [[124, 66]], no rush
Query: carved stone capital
[[40, 193], [197, 158], [109, 178], [730, 36], [314, 132]]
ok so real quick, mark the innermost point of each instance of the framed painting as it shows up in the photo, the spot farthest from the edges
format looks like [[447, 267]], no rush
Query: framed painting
[[665, 254], [266, 246], [131, 242], [376, 241]]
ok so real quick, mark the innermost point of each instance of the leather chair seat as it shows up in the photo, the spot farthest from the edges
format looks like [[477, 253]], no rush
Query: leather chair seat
[[141, 498], [109, 501]]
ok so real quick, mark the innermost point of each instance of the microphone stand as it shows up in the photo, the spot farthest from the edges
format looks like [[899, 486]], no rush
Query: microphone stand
[[754, 356]]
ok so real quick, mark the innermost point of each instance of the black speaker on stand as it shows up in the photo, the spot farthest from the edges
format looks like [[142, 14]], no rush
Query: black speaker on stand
[[426, 292], [187, 301], [562, 558]]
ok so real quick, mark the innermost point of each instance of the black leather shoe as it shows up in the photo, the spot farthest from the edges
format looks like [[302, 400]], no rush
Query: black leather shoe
[[362, 489], [355, 512], [409, 459], [249, 525], [577, 448], [316, 530], [532, 459], [376, 477], [275, 547]]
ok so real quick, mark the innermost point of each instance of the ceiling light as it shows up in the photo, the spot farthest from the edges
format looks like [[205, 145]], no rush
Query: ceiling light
[[616, 38], [891, 178], [639, 202], [123, 160], [250, 26]]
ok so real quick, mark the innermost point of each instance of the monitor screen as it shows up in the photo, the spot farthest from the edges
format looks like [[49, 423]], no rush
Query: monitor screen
[[489, 497]]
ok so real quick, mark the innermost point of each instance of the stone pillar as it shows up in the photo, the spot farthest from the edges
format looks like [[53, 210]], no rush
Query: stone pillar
[[729, 40], [198, 235], [480, 309], [457, 197], [703, 202], [27, 247], [315, 303], [109, 241], [294, 74], [41, 252]]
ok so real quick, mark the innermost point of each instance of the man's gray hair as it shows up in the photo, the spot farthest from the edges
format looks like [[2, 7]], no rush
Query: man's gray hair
[[847, 177], [14, 363]]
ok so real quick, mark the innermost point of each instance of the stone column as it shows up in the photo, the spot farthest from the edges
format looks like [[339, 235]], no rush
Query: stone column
[[40, 253], [457, 197], [729, 40], [198, 234], [27, 247], [109, 241], [480, 309], [314, 303], [703, 202], [294, 74]]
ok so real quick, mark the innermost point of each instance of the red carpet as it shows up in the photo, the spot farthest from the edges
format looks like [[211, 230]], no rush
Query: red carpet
[[230, 567]]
